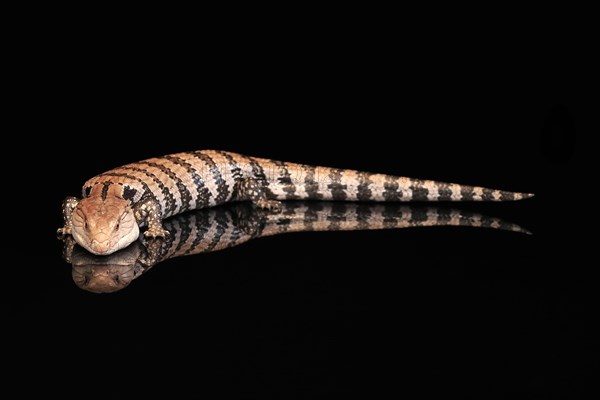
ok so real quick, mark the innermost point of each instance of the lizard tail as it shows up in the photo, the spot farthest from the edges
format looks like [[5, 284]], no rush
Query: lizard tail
[[323, 183], [391, 188]]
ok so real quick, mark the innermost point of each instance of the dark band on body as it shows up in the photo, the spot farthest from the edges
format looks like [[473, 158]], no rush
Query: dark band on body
[[338, 191], [128, 192], [202, 193], [363, 192], [257, 169], [310, 183], [259, 174], [285, 180], [186, 196], [419, 191], [507, 196], [171, 205], [444, 191], [488, 194], [234, 167], [222, 187], [147, 191], [391, 188], [466, 193]]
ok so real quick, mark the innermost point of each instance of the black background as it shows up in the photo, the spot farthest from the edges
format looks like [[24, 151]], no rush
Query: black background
[[478, 312]]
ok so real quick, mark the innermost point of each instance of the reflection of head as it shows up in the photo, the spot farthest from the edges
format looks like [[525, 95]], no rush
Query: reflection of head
[[105, 274]]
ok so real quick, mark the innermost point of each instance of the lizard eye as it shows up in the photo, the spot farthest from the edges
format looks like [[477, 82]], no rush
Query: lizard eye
[[117, 227], [85, 225]]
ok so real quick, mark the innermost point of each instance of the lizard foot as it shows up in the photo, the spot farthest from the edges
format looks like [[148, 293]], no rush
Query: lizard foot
[[62, 232], [155, 231], [271, 205]]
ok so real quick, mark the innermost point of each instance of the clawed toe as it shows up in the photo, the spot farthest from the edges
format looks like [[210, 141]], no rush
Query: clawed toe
[[156, 233], [62, 232]]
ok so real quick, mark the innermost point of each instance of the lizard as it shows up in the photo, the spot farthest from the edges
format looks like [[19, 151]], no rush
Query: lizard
[[231, 225], [117, 203]]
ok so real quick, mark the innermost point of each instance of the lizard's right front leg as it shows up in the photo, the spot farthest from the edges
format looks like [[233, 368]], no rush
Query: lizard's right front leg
[[68, 206]]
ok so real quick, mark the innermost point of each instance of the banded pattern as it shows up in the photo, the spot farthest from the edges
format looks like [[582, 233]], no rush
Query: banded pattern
[[179, 182], [199, 179], [224, 227], [290, 181]]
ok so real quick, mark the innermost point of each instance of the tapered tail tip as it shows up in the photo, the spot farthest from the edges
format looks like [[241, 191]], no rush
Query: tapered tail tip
[[525, 196]]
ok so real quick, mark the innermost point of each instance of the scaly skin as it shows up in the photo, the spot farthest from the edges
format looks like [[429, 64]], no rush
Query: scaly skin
[[117, 203]]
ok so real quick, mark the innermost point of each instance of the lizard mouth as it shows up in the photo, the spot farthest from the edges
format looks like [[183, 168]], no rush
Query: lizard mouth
[[101, 248], [105, 245]]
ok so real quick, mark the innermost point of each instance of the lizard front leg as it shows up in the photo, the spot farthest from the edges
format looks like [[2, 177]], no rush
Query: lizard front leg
[[68, 206], [148, 211], [255, 190]]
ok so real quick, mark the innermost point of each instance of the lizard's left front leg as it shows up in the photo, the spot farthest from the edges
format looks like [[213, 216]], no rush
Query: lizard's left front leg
[[148, 211]]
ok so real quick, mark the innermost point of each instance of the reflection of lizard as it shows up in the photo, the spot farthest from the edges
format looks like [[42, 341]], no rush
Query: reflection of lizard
[[116, 203], [222, 227]]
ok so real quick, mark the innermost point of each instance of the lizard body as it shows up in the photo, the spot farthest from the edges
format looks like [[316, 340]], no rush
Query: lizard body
[[115, 204]]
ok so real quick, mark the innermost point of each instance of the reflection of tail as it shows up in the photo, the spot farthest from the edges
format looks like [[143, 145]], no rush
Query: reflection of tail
[[227, 226], [303, 216]]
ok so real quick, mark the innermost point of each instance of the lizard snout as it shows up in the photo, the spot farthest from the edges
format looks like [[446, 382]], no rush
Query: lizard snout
[[100, 248]]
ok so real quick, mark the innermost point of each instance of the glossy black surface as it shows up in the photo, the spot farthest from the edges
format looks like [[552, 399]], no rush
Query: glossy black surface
[[436, 310]]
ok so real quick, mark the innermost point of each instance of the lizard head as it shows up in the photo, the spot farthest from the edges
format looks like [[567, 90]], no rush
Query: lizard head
[[103, 226]]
